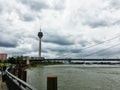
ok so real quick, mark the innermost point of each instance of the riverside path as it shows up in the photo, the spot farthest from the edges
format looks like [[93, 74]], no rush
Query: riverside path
[[3, 85]]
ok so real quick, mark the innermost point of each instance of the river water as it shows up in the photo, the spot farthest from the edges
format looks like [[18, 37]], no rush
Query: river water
[[77, 77]]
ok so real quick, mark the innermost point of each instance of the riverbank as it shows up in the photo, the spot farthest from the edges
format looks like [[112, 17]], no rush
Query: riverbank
[[35, 64]]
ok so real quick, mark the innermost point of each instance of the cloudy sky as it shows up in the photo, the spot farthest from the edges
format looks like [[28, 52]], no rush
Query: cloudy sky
[[71, 28]]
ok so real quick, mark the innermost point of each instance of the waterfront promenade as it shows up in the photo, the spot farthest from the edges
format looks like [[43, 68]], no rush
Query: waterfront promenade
[[3, 85]]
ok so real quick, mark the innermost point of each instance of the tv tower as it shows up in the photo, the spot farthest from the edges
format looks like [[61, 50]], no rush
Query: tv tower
[[40, 35]]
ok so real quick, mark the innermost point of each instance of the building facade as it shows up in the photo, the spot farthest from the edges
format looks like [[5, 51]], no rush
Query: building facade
[[3, 56]]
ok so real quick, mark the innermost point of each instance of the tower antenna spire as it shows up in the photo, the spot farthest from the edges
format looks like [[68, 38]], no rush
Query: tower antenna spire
[[40, 28]]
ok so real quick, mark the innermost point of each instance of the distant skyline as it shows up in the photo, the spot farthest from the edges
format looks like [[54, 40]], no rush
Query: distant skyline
[[69, 28]]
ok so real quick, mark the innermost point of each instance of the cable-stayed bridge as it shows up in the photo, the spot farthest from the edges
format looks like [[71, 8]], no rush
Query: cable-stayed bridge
[[75, 60], [79, 59]]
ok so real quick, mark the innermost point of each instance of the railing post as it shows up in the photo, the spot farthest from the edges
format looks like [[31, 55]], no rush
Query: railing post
[[14, 71], [19, 72], [52, 83], [24, 76]]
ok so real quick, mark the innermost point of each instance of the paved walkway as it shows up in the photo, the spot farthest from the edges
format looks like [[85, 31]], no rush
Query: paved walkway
[[2, 84]]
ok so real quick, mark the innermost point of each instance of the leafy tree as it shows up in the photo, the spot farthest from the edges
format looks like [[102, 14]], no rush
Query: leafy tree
[[15, 60]]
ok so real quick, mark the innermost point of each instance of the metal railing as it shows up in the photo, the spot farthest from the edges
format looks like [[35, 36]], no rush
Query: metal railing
[[15, 82]]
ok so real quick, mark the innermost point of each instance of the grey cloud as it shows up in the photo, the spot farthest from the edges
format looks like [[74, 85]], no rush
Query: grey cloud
[[87, 19], [27, 17], [75, 51], [17, 52], [60, 49], [101, 17], [106, 53], [0, 9], [96, 24], [68, 52], [60, 4], [83, 43], [99, 23], [7, 44], [115, 4], [97, 41], [60, 40], [8, 38], [35, 5], [58, 7], [8, 41], [43, 51], [116, 22], [64, 50]]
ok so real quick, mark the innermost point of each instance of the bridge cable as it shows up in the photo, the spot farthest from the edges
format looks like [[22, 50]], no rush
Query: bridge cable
[[102, 50], [100, 43]]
